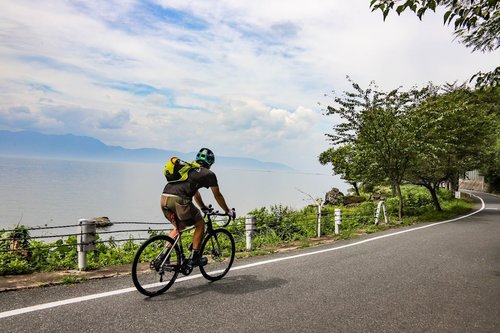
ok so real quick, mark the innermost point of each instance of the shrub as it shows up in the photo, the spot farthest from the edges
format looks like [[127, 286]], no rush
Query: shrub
[[11, 264]]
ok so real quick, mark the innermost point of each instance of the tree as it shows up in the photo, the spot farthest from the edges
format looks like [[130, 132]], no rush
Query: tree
[[476, 23], [343, 160], [489, 99], [378, 129], [454, 136]]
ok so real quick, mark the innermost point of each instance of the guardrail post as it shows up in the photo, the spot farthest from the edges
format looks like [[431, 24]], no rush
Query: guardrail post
[[319, 220], [338, 220], [250, 226], [381, 205], [85, 241]]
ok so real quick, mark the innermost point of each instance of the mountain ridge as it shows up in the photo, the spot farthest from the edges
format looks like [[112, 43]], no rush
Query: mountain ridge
[[36, 144]]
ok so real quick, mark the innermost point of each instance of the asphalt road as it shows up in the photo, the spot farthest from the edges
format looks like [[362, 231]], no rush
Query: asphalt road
[[425, 278]]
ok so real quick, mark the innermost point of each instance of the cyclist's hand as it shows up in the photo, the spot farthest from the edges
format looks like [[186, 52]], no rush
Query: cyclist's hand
[[232, 214]]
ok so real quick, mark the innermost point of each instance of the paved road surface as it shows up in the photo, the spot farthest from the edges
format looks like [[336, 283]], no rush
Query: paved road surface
[[426, 278]]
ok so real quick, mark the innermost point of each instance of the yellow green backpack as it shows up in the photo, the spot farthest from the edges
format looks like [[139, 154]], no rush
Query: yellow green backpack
[[177, 170]]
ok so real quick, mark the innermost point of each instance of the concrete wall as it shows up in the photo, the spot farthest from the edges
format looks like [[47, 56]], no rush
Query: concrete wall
[[476, 184]]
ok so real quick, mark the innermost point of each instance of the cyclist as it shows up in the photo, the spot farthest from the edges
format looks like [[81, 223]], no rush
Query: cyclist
[[177, 198]]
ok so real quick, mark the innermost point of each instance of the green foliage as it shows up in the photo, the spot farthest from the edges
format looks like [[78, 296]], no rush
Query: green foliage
[[13, 264], [283, 224], [355, 217], [381, 132], [344, 162], [451, 209], [15, 255], [72, 279], [21, 236], [418, 200], [476, 24], [456, 136], [422, 136]]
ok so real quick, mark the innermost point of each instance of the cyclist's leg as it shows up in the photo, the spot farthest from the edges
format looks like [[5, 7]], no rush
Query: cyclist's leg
[[191, 217], [167, 205], [199, 229], [196, 258]]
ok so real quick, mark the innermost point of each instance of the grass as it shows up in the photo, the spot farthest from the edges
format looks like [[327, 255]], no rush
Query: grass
[[449, 210], [72, 279]]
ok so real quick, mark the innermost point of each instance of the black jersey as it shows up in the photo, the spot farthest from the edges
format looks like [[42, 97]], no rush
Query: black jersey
[[197, 178]]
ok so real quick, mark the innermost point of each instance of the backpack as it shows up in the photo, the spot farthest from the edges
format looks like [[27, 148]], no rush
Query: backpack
[[177, 170]]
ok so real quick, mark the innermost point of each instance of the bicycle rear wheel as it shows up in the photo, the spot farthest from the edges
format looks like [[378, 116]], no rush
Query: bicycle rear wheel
[[156, 265], [219, 249]]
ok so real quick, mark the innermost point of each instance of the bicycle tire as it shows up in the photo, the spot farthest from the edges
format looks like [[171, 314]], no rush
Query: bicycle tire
[[151, 276], [219, 248]]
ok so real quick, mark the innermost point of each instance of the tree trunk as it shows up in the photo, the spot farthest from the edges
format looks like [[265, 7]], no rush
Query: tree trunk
[[355, 185], [433, 192], [454, 182]]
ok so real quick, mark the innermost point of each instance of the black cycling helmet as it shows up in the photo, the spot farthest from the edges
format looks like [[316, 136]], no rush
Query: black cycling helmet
[[205, 156]]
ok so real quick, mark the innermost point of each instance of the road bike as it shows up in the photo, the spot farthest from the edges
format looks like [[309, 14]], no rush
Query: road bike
[[161, 258]]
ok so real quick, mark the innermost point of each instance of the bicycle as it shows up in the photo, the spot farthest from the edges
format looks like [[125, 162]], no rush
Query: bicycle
[[161, 258]]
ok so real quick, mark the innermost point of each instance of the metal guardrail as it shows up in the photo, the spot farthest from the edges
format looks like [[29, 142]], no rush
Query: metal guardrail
[[245, 233]]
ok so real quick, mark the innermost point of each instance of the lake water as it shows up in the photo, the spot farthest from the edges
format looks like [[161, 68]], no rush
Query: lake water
[[39, 192]]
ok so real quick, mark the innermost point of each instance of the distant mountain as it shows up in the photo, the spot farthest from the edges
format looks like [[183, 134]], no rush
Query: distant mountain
[[27, 143]]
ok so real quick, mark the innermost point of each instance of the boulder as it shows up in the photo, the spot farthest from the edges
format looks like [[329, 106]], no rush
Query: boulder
[[353, 200], [101, 222], [334, 197]]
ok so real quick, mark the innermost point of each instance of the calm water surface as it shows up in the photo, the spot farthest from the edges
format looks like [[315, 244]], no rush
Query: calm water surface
[[38, 192]]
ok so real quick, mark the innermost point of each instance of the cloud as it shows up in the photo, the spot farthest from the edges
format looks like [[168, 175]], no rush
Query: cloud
[[243, 77], [22, 118]]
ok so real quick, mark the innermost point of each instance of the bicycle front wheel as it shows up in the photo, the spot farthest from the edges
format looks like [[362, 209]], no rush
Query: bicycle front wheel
[[156, 265], [219, 249]]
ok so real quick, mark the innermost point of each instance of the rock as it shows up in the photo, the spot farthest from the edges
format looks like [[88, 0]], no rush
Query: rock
[[353, 200], [334, 197], [101, 222]]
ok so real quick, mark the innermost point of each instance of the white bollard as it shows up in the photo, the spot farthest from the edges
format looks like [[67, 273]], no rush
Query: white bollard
[[85, 240], [82, 260], [338, 220], [381, 205], [319, 221], [250, 226]]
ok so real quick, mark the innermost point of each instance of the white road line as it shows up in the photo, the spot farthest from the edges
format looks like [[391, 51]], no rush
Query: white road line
[[265, 262]]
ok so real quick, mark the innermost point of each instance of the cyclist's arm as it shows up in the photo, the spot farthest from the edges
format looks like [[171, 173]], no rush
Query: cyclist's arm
[[199, 200], [219, 198]]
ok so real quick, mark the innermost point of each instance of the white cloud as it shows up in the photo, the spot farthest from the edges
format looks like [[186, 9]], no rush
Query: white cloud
[[241, 76]]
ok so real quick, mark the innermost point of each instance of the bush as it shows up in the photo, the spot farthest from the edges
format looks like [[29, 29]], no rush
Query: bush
[[416, 200], [11, 264]]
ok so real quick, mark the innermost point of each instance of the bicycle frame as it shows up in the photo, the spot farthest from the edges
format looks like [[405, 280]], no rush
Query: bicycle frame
[[178, 242], [178, 238]]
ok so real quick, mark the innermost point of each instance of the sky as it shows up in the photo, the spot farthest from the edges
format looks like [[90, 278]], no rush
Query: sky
[[244, 78]]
